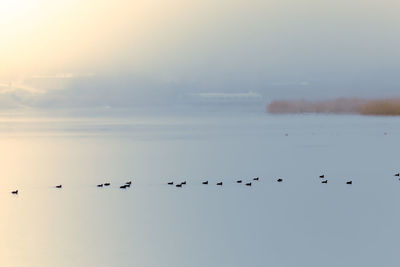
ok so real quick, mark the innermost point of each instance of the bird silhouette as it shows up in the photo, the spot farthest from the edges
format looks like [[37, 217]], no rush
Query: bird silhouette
[[124, 186], [171, 183], [349, 182], [324, 181], [256, 179], [248, 184], [100, 185], [107, 184], [322, 176], [279, 180], [59, 186], [220, 183], [397, 174], [206, 182], [179, 185], [14, 192], [239, 181]]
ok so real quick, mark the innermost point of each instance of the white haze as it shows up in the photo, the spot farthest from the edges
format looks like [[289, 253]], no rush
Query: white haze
[[159, 52]]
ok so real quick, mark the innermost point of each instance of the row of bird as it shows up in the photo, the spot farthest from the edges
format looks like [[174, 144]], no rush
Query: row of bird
[[326, 181], [128, 184], [124, 186], [221, 183], [254, 179]]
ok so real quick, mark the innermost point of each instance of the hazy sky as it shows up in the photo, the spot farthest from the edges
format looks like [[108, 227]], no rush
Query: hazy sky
[[278, 48]]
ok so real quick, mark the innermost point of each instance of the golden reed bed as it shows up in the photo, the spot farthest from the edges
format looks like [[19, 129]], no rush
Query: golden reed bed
[[382, 107]]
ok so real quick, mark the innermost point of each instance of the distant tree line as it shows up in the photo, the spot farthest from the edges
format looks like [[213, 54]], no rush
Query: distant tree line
[[384, 107]]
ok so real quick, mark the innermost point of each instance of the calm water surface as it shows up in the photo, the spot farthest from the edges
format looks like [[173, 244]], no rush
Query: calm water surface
[[299, 222]]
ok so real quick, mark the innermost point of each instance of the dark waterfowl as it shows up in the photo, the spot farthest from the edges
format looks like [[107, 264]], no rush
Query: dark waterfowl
[[183, 182], [322, 176], [59, 186], [256, 179], [279, 180], [128, 185], [206, 182], [14, 192], [324, 181], [179, 185], [220, 183], [107, 184], [130, 182], [248, 184], [349, 182], [171, 183], [100, 185], [124, 186], [397, 174], [239, 181]]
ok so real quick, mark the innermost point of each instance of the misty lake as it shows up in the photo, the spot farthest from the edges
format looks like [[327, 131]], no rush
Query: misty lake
[[299, 222]]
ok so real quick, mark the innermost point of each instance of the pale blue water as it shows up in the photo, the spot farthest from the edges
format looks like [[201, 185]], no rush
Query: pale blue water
[[299, 222]]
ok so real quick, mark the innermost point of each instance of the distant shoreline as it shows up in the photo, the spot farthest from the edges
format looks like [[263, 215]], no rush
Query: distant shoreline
[[377, 107]]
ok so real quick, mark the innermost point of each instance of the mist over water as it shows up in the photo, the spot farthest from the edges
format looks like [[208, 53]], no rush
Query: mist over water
[[156, 91]]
